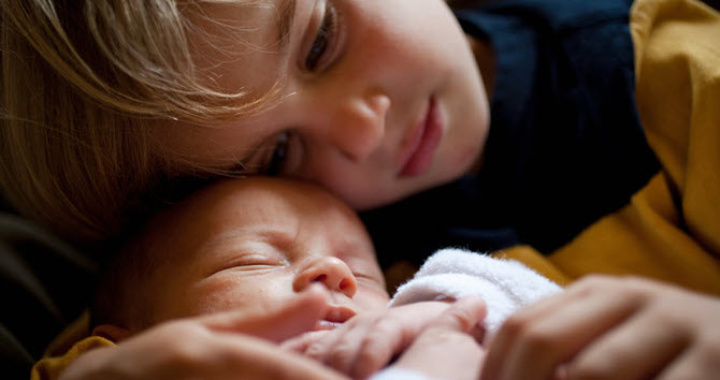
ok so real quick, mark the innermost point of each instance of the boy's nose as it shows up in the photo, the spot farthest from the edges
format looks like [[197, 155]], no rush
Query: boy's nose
[[329, 271], [358, 127]]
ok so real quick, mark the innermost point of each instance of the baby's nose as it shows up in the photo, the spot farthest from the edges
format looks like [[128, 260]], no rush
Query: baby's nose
[[332, 272]]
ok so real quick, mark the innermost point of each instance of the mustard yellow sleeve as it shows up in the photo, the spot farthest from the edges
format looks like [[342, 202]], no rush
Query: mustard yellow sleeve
[[671, 229], [677, 45], [644, 238], [50, 368]]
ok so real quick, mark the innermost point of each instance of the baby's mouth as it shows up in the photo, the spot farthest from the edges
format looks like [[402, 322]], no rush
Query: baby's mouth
[[325, 325], [336, 316]]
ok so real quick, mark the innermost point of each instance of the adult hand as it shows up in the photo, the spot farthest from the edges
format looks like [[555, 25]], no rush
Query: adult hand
[[230, 345], [610, 328]]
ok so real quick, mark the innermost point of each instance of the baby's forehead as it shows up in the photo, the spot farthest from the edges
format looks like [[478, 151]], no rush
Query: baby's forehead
[[260, 189], [265, 192], [256, 200], [256, 206]]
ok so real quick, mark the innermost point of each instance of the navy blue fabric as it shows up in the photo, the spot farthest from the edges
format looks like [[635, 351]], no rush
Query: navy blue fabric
[[565, 144]]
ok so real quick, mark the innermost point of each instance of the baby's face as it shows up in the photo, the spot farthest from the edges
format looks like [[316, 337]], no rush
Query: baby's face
[[380, 98], [259, 242]]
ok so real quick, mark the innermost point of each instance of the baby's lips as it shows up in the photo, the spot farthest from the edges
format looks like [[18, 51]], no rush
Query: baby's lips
[[339, 314], [325, 325], [336, 316]]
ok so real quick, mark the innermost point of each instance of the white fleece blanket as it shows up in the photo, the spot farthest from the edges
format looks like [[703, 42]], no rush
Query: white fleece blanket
[[505, 285]]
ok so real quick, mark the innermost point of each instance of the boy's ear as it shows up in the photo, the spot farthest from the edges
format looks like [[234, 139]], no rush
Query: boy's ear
[[111, 332]]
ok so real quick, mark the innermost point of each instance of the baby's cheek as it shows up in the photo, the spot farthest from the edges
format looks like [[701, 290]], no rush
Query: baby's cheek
[[371, 301]]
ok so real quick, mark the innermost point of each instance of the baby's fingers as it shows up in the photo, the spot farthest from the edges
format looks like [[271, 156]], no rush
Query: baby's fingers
[[464, 316], [448, 348], [337, 348], [363, 351], [301, 343]]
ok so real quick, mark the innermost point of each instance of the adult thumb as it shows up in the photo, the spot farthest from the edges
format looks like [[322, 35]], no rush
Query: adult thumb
[[276, 323], [465, 315]]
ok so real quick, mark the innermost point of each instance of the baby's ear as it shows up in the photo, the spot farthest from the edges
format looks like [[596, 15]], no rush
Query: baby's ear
[[111, 332]]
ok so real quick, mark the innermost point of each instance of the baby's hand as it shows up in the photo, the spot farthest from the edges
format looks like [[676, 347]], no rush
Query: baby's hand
[[369, 342], [611, 328], [448, 349]]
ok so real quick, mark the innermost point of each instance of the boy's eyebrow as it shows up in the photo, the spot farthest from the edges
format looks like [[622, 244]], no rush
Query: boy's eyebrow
[[285, 22]]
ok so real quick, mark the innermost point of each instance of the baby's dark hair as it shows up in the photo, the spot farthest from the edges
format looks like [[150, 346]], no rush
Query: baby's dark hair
[[132, 258], [120, 296]]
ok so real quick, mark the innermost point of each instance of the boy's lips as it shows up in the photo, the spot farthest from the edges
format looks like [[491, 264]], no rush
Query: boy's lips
[[335, 316], [421, 142]]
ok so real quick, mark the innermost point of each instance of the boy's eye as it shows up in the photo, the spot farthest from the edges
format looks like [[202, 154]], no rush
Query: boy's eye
[[323, 38], [279, 156]]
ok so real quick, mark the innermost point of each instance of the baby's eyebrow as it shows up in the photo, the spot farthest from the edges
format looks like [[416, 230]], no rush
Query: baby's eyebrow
[[233, 238]]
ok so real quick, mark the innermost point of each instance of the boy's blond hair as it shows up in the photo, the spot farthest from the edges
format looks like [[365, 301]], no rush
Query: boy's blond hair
[[88, 90]]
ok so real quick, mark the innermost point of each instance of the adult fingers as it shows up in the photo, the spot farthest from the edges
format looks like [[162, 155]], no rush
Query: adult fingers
[[637, 349], [534, 346], [253, 358], [188, 350], [694, 364], [277, 324], [505, 338]]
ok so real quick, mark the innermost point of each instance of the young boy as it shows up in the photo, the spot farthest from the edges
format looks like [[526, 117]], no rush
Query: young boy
[[555, 107], [258, 243]]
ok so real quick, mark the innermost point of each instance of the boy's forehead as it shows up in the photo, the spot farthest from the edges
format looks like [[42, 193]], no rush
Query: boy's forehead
[[249, 16], [241, 45]]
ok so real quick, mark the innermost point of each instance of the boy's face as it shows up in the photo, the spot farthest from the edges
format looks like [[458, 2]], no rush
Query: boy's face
[[259, 242], [380, 98]]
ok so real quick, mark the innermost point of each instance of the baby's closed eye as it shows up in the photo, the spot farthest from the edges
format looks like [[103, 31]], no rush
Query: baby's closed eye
[[253, 261]]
